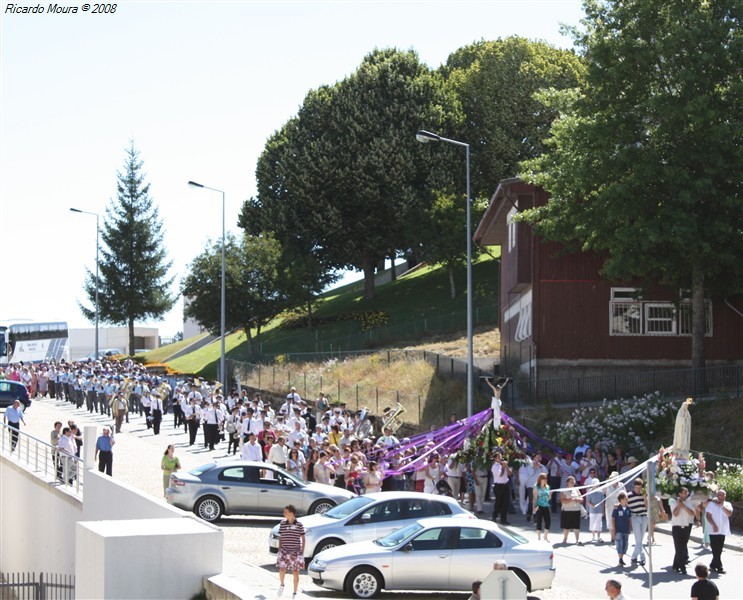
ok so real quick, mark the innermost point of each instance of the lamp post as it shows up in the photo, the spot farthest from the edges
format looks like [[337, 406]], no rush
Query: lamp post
[[425, 137], [222, 372], [97, 230]]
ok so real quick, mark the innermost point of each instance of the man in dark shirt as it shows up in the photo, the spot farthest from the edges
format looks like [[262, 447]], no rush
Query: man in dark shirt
[[703, 588]]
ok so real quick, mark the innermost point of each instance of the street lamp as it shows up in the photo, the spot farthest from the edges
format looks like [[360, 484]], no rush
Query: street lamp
[[97, 230], [425, 137], [222, 372]]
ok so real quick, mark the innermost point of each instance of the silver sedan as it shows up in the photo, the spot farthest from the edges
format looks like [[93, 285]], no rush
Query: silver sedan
[[369, 517], [432, 554], [249, 488]]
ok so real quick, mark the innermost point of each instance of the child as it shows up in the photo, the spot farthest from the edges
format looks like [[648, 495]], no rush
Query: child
[[595, 503], [621, 518]]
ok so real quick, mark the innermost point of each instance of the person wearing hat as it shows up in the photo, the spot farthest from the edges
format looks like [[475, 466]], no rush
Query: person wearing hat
[[292, 399], [156, 407], [631, 463]]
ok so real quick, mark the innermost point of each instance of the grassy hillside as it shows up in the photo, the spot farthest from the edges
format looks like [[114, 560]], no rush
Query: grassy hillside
[[416, 306]]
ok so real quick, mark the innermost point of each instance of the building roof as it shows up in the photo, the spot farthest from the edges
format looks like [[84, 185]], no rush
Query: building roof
[[493, 227]]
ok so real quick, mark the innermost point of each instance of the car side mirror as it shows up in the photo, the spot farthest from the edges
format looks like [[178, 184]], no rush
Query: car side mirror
[[288, 483], [407, 547], [365, 518]]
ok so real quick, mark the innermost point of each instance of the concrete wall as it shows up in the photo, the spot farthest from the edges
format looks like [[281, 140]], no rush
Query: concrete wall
[[145, 558], [37, 522], [109, 499]]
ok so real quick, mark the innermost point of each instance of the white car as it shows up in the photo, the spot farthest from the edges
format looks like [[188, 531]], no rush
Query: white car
[[432, 554], [369, 517]]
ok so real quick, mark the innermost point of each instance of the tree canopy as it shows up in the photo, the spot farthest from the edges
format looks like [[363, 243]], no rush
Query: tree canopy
[[645, 162], [253, 294], [133, 267]]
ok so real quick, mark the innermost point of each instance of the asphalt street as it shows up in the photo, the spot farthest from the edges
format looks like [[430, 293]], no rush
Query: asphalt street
[[581, 570]]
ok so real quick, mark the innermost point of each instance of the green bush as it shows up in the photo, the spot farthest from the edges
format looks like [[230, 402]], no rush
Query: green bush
[[730, 478], [369, 320]]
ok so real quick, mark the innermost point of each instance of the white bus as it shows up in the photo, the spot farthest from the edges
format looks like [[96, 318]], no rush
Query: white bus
[[34, 342]]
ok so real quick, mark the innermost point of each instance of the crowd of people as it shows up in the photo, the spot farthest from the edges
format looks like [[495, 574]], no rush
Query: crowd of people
[[317, 441]]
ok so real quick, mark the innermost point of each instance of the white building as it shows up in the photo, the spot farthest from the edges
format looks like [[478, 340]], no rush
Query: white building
[[82, 341]]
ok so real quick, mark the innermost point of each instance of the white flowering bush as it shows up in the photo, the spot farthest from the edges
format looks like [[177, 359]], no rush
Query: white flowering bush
[[729, 477], [629, 423]]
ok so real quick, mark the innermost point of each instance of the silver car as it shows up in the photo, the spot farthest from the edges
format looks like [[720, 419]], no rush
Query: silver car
[[432, 554], [369, 517], [248, 488]]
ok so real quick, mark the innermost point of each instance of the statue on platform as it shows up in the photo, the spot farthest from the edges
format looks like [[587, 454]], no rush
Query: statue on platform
[[495, 403], [682, 432]]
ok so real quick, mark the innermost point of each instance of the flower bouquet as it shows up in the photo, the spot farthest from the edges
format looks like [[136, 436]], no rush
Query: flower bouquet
[[674, 473], [481, 450]]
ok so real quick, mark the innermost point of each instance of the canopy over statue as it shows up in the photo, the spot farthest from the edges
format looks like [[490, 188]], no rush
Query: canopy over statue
[[682, 432]]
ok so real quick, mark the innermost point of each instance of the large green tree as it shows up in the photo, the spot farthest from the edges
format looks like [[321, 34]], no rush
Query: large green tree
[[133, 282], [495, 82], [347, 172], [253, 294], [645, 163]]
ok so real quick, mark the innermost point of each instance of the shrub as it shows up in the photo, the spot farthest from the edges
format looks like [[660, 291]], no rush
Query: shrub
[[729, 477], [631, 424]]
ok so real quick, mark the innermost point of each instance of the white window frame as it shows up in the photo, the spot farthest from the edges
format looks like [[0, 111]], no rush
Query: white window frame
[[672, 320], [512, 229]]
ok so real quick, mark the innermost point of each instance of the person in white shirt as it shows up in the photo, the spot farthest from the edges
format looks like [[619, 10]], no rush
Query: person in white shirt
[[252, 449], [682, 518], [324, 471], [294, 418], [297, 435], [147, 407], [279, 454], [66, 448], [292, 399], [533, 469], [718, 516], [319, 436], [156, 408], [212, 418]]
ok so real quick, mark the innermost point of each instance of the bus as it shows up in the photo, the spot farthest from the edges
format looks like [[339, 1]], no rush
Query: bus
[[34, 342]]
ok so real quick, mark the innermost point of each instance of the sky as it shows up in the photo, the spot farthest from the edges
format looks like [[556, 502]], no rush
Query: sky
[[199, 87]]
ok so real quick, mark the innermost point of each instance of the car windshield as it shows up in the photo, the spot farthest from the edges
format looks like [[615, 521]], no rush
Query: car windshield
[[394, 538], [348, 508]]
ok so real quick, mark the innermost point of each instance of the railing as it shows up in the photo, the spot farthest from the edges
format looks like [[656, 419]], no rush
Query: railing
[[42, 458], [277, 378], [726, 380], [50, 586]]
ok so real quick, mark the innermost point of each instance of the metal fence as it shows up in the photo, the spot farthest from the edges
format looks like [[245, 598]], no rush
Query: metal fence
[[277, 378], [36, 586], [725, 381], [301, 342], [42, 458]]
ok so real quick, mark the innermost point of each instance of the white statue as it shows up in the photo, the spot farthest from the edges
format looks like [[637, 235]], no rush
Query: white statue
[[682, 432]]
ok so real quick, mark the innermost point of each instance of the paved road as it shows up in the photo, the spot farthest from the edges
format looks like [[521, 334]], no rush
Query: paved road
[[581, 570]]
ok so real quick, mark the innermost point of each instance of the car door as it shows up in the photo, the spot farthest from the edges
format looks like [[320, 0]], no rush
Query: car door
[[236, 486], [275, 492], [375, 521], [424, 563], [476, 550]]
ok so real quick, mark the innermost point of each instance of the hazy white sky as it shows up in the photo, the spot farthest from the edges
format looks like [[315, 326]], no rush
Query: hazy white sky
[[199, 86]]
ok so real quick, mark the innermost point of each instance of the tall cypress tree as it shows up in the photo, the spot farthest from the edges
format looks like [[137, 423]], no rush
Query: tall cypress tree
[[133, 266]]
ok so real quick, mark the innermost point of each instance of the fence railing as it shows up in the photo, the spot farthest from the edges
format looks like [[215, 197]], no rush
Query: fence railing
[[725, 380], [374, 338], [37, 586], [277, 378], [42, 458]]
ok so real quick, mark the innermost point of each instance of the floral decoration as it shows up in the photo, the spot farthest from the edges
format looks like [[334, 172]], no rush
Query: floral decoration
[[481, 450]]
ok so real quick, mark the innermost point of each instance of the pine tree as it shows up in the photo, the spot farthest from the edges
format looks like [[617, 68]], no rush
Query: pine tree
[[133, 265]]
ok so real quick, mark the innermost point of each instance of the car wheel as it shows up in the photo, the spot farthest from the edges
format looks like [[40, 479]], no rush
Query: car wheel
[[321, 506], [523, 577], [364, 582], [209, 508], [329, 543]]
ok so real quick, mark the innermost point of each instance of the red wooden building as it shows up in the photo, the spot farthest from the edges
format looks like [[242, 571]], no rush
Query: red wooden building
[[560, 318]]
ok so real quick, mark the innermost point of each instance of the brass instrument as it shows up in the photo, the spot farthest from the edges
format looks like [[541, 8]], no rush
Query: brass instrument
[[393, 420]]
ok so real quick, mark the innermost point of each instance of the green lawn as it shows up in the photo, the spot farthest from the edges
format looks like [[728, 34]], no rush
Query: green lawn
[[416, 304]]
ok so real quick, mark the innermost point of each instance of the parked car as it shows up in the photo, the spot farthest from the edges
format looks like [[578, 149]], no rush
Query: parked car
[[10, 391], [432, 554], [369, 517], [105, 353], [249, 488]]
